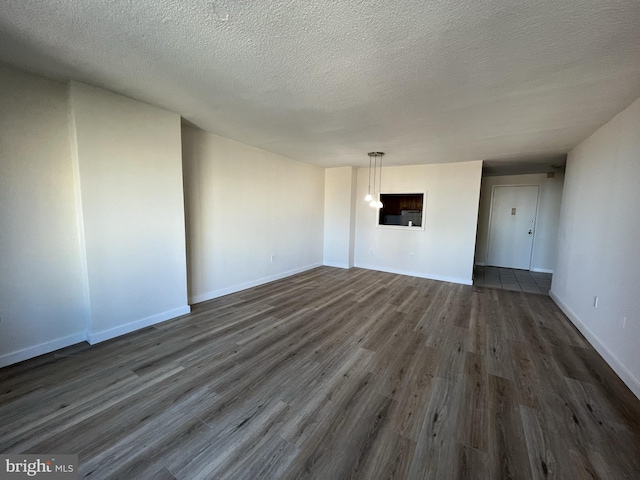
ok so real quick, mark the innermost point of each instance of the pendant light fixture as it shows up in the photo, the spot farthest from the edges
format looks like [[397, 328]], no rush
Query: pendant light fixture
[[371, 198], [368, 197]]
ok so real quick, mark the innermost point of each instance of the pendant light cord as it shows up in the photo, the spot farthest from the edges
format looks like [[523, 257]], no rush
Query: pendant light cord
[[375, 162], [380, 176], [369, 189]]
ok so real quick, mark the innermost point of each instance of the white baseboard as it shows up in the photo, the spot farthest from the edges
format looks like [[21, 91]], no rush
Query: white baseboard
[[202, 297], [101, 336], [41, 349], [336, 265], [542, 270], [625, 375], [463, 281]]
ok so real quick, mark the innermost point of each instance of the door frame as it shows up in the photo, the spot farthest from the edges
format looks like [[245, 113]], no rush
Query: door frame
[[535, 222]]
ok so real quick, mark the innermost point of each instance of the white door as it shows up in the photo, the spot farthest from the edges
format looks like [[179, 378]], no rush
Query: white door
[[512, 226]]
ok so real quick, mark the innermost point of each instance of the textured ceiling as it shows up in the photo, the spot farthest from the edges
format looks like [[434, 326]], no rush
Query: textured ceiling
[[327, 81]]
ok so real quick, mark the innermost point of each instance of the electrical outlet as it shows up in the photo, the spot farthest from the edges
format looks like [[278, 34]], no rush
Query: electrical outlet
[[595, 302], [273, 257], [624, 322]]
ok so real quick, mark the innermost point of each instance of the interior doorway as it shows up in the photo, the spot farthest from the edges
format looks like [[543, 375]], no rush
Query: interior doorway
[[512, 226]]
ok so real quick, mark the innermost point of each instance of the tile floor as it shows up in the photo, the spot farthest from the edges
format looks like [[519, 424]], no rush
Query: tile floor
[[512, 279]]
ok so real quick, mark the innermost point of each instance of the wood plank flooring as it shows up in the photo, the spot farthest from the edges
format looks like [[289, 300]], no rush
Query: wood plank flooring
[[334, 374]]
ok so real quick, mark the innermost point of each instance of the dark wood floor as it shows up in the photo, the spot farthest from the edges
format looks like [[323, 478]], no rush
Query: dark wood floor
[[334, 374]]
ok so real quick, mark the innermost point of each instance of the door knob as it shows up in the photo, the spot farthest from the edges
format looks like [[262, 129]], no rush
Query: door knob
[[530, 232]]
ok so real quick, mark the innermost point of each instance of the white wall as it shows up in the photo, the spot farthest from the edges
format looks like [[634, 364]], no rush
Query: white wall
[[129, 161], [444, 250], [598, 253], [545, 239], [42, 305], [245, 205], [340, 186]]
